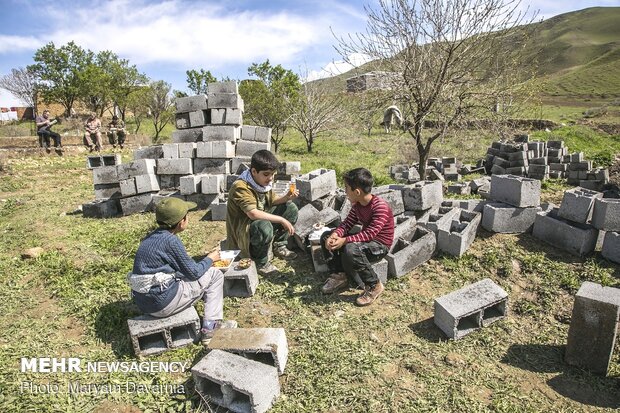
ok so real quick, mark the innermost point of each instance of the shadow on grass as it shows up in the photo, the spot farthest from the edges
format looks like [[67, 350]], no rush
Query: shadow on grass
[[427, 330], [573, 383], [111, 326]]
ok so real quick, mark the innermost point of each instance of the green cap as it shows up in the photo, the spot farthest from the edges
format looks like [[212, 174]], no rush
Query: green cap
[[171, 211]]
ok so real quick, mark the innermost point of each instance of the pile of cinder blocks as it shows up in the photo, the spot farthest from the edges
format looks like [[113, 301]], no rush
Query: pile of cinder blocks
[[568, 227], [240, 373], [593, 327], [606, 217], [514, 204], [210, 147], [472, 307]]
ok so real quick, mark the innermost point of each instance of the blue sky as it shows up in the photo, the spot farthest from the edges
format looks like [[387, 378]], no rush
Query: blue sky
[[164, 38]]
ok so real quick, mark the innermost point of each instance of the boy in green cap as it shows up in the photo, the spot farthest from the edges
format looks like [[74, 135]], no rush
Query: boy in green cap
[[165, 280]]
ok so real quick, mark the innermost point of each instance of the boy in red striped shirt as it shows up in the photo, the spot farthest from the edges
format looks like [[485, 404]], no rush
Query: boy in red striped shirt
[[350, 257]]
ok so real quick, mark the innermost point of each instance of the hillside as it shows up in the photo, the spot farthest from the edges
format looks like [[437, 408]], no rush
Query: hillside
[[580, 54]]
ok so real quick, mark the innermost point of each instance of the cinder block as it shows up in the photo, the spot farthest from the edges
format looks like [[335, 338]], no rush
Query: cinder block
[[105, 208], [171, 150], [573, 237], [187, 135], [146, 183], [307, 217], [181, 120], [103, 160], [163, 195], [441, 218], [235, 382], [263, 134], [191, 103], [593, 327], [169, 181], [233, 117], [247, 148], [407, 254], [518, 170], [393, 197], [136, 204], [240, 163], [219, 210], [497, 170], [224, 100], [539, 161], [223, 149], [289, 168], [229, 86], [128, 187], [217, 116], [106, 191], [204, 149], [240, 282], [151, 335], [504, 218], [461, 234], [221, 133], [316, 184], [470, 308], [211, 166], [606, 215], [203, 201], [181, 166], [381, 269], [611, 246], [135, 168], [462, 188], [404, 227], [265, 345], [318, 260], [190, 184], [212, 184], [105, 175], [148, 152], [422, 195], [187, 149], [580, 166], [578, 204], [515, 190], [198, 118]]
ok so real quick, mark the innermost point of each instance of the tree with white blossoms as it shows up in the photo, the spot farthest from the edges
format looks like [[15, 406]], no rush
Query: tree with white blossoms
[[454, 60]]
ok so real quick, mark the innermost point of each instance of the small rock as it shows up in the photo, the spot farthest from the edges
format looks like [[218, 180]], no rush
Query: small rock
[[338, 313], [32, 253], [374, 338], [454, 359]]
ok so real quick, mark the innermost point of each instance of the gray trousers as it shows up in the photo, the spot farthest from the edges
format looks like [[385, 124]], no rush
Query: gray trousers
[[209, 287]]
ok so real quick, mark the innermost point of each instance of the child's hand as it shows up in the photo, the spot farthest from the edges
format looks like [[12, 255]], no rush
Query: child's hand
[[334, 242], [293, 194], [215, 255], [288, 226]]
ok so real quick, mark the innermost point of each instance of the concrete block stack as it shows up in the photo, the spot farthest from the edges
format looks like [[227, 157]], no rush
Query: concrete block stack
[[209, 144], [404, 173], [593, 327], [515, 201], [472, 307], [606, 217]]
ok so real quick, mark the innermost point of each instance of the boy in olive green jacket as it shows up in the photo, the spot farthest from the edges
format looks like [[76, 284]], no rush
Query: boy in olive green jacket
[[256, 216]]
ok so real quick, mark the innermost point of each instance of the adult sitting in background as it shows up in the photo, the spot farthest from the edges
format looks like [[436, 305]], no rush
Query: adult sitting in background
[[116, 132], [92, 126], [44, 123]]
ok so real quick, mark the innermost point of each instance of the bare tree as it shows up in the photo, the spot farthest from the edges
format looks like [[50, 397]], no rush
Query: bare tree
[[453, 60], [21, 83], [159, 102], [315, 111]]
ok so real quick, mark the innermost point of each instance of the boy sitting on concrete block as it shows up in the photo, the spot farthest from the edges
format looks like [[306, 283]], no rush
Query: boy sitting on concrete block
[[355, 254], [165, 280], [256, 216]]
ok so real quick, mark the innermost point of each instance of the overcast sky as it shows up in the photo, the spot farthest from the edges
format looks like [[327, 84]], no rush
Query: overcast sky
[[164, 38]]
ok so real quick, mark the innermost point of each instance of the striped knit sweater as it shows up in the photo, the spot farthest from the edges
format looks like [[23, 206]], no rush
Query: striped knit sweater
[[376, 219], [162, 251]]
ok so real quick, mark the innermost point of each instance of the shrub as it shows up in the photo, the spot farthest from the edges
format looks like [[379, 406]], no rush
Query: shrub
[[603, 159]]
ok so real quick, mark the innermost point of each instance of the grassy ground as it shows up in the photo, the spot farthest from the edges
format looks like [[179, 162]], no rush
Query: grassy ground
[[72, 301]]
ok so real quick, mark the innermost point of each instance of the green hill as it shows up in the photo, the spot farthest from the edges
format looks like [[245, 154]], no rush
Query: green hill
[[579, 56]]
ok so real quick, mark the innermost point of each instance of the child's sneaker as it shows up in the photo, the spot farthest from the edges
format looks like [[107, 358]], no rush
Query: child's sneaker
[[369, 295], [207, 334], [335, 283], [284, 253], [267, 269]]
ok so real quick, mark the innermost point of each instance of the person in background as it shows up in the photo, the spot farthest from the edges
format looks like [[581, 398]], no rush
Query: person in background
[[165, 280], [93, 133], [116, 132], [44, 124], [350, 257]]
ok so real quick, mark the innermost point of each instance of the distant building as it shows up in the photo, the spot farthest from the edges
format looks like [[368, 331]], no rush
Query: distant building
[[16, 113], [371, 80]]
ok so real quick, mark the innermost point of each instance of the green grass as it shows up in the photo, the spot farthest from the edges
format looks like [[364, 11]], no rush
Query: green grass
[[72, 301]]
